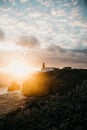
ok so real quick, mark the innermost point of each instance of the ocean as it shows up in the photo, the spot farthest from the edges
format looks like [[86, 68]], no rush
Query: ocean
[[3, 90]]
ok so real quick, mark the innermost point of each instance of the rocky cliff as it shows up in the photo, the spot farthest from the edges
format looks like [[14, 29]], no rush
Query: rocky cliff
[[63, 110]]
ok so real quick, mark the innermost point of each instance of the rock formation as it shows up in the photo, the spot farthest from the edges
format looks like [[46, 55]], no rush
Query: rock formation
[[14, 86]]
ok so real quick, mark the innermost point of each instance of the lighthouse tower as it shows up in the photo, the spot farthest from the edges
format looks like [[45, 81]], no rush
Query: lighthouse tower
[[43, 65], [46, 69]]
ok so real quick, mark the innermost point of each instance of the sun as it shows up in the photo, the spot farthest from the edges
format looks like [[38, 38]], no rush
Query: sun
[[19, 69]]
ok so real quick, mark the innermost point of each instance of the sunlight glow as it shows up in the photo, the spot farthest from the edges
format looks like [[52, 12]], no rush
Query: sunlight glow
[[19, 69]]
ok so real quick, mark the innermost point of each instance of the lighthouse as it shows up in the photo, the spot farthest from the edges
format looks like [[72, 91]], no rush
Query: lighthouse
[[46, 69], [43, 65]]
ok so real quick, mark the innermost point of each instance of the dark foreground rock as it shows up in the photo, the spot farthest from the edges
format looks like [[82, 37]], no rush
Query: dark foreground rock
[[67, 111]]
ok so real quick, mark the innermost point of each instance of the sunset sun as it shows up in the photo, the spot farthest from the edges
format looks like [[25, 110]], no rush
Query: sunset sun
[[20, 69]]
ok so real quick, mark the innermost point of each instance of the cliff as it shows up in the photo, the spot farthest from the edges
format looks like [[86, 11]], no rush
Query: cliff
[[64, 109]]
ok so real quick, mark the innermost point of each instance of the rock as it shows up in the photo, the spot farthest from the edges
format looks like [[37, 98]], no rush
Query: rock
[[62, 111], [14, 86], [37, 86], [84, 84]]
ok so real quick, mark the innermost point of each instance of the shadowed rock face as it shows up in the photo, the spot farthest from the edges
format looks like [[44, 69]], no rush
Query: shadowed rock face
[[65, 110]]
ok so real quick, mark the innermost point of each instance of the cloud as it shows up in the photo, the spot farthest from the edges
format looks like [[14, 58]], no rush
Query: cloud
[[2, 34], [57, 48], [57, 58], [31, 40], [84, 51], [60, 25], [23, 1]]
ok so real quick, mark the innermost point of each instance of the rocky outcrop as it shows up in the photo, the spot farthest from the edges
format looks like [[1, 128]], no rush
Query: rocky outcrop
[[62, 111], [38, 85], [57, 81], [14, 86]]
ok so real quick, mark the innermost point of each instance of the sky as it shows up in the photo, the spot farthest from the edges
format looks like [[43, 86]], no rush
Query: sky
[[50, 31]]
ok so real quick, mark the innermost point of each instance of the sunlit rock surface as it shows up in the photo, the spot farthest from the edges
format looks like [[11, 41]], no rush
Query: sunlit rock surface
[[14, 86], [38, 85]]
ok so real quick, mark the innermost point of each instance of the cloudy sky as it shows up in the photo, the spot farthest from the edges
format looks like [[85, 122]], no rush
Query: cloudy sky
[[51, 31]]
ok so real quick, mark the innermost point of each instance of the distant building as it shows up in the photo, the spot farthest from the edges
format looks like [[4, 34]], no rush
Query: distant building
[[46, 69], [67, 68], [43, 65]]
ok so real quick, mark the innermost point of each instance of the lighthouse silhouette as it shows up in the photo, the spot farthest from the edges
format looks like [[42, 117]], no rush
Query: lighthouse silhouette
[[43, 65], [46, 69]]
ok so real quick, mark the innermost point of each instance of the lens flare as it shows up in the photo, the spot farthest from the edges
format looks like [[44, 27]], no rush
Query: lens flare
[[20, 69]]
